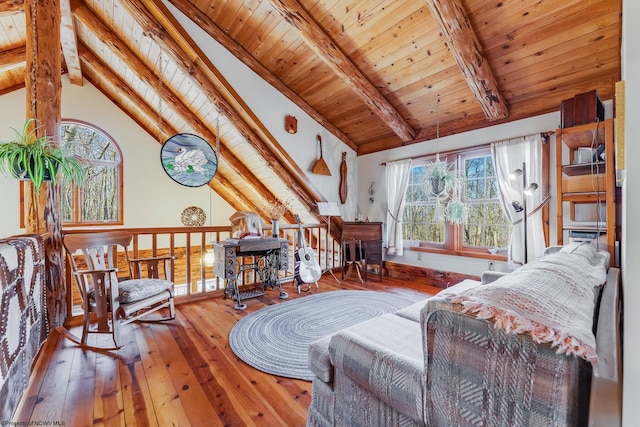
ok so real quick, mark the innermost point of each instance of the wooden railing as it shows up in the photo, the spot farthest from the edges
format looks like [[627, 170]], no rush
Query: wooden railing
[[192, 249]]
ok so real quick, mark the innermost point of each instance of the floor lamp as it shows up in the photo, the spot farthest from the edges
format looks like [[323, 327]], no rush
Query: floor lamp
[[527, 190], [328, 209]]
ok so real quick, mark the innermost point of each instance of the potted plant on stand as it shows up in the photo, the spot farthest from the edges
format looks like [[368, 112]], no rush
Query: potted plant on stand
[[37, 158]]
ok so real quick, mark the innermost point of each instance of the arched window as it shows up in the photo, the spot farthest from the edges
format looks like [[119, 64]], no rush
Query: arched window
[[98, 201]]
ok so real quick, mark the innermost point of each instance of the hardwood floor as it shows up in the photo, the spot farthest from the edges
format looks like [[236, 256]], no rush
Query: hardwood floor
[[178, 373]]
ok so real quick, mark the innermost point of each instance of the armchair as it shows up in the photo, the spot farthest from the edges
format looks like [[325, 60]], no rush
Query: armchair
[[109, 303]]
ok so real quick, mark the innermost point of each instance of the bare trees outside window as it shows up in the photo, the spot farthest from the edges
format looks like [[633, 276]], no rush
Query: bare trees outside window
[[485, 225], [99, 200]]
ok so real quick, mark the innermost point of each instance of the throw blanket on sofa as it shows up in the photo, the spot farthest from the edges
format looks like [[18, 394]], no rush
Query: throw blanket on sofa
[[551, 298], [23, 315]]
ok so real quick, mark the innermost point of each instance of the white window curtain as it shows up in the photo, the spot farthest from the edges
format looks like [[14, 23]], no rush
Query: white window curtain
[[397, 180], [508, 156]]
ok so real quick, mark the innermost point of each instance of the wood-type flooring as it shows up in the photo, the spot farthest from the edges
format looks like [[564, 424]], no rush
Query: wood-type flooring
[[177, 373]]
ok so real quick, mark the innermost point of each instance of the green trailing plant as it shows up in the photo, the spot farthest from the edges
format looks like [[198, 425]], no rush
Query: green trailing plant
[[443, 182], [37, 159], [442, 179]]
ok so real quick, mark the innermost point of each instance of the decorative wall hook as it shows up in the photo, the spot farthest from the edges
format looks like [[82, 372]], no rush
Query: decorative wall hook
[[291, 124]]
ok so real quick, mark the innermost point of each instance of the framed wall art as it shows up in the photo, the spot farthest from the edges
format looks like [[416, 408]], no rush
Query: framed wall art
[[189, 160]]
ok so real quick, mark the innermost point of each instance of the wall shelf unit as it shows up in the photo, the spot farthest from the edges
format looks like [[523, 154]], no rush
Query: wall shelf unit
[[585, 193]]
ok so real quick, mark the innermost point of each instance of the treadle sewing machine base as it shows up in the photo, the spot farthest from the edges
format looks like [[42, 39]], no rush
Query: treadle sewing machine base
[[269, 255]]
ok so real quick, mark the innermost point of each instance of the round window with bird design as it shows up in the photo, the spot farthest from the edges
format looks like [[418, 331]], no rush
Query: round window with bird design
[[189, 160]]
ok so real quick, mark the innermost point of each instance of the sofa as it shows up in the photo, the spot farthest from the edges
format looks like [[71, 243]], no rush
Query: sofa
[[539, 346]]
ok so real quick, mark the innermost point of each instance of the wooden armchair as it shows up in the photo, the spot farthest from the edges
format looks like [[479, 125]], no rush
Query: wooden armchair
[[108, 302]]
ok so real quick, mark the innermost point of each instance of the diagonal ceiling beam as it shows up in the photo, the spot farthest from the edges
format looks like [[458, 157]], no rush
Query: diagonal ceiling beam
[[204, 22], [12, 58], [163, 27], [9, 7], [69, 43], [465, 48], [331, 55], [121, 91], [122, 95], [120, 49]]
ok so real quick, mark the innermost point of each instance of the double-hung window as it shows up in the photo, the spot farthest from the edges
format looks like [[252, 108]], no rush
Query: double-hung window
[[485, 226], [422, 220]]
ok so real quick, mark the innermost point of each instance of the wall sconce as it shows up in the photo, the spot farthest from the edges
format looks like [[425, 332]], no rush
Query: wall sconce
[[291, 124], [527, 190]]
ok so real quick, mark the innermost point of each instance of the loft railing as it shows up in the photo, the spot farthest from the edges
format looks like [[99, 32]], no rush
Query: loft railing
[[192, 249]]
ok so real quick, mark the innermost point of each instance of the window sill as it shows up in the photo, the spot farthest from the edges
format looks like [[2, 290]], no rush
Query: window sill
[[470, 253]]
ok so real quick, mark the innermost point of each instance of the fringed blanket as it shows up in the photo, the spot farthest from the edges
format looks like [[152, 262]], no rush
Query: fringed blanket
[[551, 298]]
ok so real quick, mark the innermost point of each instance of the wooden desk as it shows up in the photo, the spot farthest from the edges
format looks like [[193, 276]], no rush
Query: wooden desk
[[272, 256], [369, 234]]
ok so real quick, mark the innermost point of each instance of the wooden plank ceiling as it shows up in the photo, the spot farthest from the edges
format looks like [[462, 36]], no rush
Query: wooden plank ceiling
[[370, 71]]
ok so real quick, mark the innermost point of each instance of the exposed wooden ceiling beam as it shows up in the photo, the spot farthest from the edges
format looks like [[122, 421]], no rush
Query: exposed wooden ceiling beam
[[69, 43], [119, 48], [163, 27], [331, 54], [465, 48], [124, 96], [12, 58], [9, 7], [206, 24]]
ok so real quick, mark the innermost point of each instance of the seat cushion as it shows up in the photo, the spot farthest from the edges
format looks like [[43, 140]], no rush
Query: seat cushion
[[384, 357], [138, 289], [319, 362]]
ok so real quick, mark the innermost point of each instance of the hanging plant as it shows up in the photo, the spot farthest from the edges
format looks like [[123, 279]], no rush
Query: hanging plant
[[444, 183], [441, 179], [456, 211], [37, 159]]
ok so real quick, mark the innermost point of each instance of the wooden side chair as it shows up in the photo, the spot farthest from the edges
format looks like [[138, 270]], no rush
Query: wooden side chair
[[108, 302], [352, 259]]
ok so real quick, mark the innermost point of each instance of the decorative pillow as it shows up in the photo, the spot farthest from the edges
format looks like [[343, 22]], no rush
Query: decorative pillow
[[137, 289], [584, 249]]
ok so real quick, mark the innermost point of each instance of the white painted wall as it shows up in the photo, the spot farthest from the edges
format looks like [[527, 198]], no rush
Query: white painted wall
[[12, 108], [151, 198], [630, 212]]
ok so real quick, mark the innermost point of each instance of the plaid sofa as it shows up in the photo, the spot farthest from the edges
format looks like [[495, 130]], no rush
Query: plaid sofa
[[430, 364]]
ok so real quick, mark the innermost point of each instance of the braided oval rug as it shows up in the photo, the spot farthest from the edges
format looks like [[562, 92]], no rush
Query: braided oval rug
[[276, 339]]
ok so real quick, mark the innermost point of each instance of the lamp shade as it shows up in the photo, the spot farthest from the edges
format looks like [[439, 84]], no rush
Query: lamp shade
[[531, 188]]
